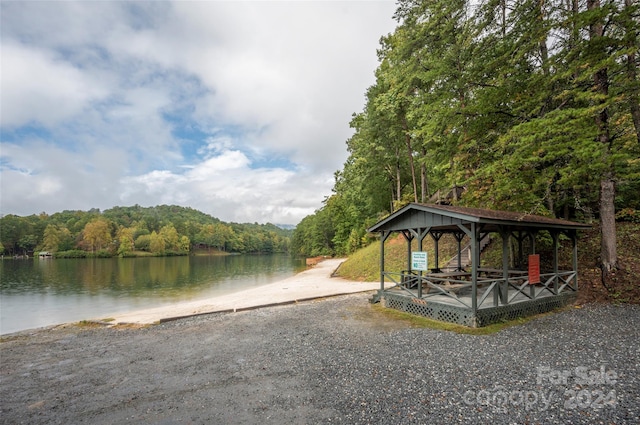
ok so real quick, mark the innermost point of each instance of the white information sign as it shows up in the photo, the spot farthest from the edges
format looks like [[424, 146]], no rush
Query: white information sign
[[419, 261]]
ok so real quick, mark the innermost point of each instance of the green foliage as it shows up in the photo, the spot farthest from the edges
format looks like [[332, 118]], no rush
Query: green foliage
[[143, 242], [126, 241], [313, 236], [127, 231], [171, 237], [73, 253], [214, 235], [57, 238], [97, 234], [28, 242], [157, 243], [18, 234], [184, 244], [102, 253], [529, 105], [628, 214]]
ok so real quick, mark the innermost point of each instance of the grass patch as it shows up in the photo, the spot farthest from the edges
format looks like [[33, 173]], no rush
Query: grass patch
[[364, 264], [107, 323], [4, 339], [89, 324], [201, 252], [132, 326], [135, 254], [424, 322], [95, 323]]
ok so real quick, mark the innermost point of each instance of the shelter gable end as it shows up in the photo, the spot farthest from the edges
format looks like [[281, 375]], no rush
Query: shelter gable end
[[415, 219]]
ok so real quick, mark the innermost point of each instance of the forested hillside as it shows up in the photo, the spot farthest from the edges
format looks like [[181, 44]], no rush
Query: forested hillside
[[529, 105], [126, 231]]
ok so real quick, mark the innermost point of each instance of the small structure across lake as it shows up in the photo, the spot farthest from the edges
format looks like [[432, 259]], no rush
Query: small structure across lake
[[476, 296]]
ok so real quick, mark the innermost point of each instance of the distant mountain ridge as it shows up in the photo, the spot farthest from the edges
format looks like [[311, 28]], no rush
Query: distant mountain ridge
[[128, 231], [286, 226]]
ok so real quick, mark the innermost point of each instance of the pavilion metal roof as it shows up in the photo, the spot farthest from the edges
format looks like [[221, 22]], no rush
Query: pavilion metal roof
[[447, 218]]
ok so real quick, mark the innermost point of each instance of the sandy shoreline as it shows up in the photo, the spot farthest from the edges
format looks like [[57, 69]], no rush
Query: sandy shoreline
[[309, 284]]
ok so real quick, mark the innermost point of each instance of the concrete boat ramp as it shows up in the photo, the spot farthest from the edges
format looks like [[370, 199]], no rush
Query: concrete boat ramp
[[316, 282]]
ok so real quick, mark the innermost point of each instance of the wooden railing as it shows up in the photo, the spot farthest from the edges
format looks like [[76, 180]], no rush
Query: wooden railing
[[489, 282]]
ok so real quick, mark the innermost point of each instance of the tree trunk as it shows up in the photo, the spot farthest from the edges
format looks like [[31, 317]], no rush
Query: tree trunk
[[544, 50], [632, 71], [424, 182], [608, 253], [503, 7], [634, 98], [399, 185], [407, 138], [398, 182]]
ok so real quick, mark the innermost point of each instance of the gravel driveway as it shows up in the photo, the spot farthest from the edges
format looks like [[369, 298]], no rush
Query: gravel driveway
[[328, 361]]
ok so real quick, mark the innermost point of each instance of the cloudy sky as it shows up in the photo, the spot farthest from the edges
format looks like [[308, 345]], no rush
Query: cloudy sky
[[238, 109]]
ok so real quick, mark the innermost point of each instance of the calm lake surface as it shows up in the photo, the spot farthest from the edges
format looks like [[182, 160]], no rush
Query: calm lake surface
[[36, 293]]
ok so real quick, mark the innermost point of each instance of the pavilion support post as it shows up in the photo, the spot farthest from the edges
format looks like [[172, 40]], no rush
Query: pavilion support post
[[533, 242], [475, 256], [420, 272], [459, 237], [478, 244], [520, 251], [504, 286], [555, 236], [532, 288], [420, 234], [518, 255], [409, 237], [384, 235], [436, 238], [574, 241]]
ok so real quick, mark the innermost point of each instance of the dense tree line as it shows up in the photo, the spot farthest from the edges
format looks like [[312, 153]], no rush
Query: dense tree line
[[531, 105], [123, 231]]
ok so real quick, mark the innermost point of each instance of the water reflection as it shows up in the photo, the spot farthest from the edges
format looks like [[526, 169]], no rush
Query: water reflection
[[42, 292]]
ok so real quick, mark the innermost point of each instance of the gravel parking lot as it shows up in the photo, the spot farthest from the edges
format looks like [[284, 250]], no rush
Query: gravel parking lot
[[334, 360]]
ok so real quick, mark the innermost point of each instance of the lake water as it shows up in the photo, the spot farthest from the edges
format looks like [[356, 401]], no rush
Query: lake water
[[36, 293]]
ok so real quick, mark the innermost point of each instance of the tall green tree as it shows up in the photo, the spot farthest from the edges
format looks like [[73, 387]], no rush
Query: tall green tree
[[157, 244], [171, 237], [12, 229], [97, 234], [530, 104], [126, 241], [57, 238]]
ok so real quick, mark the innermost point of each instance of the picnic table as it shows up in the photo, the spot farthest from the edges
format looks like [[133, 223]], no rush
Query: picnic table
[[489, 272]]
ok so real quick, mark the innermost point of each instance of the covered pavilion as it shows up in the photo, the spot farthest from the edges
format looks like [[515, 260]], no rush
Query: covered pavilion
[[473, 295]]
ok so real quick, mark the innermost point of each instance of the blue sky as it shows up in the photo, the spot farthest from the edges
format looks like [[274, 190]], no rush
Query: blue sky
[[238, 109]]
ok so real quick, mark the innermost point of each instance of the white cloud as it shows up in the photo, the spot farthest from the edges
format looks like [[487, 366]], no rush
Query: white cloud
[[38, 87], [226, 183], [181, 102]]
